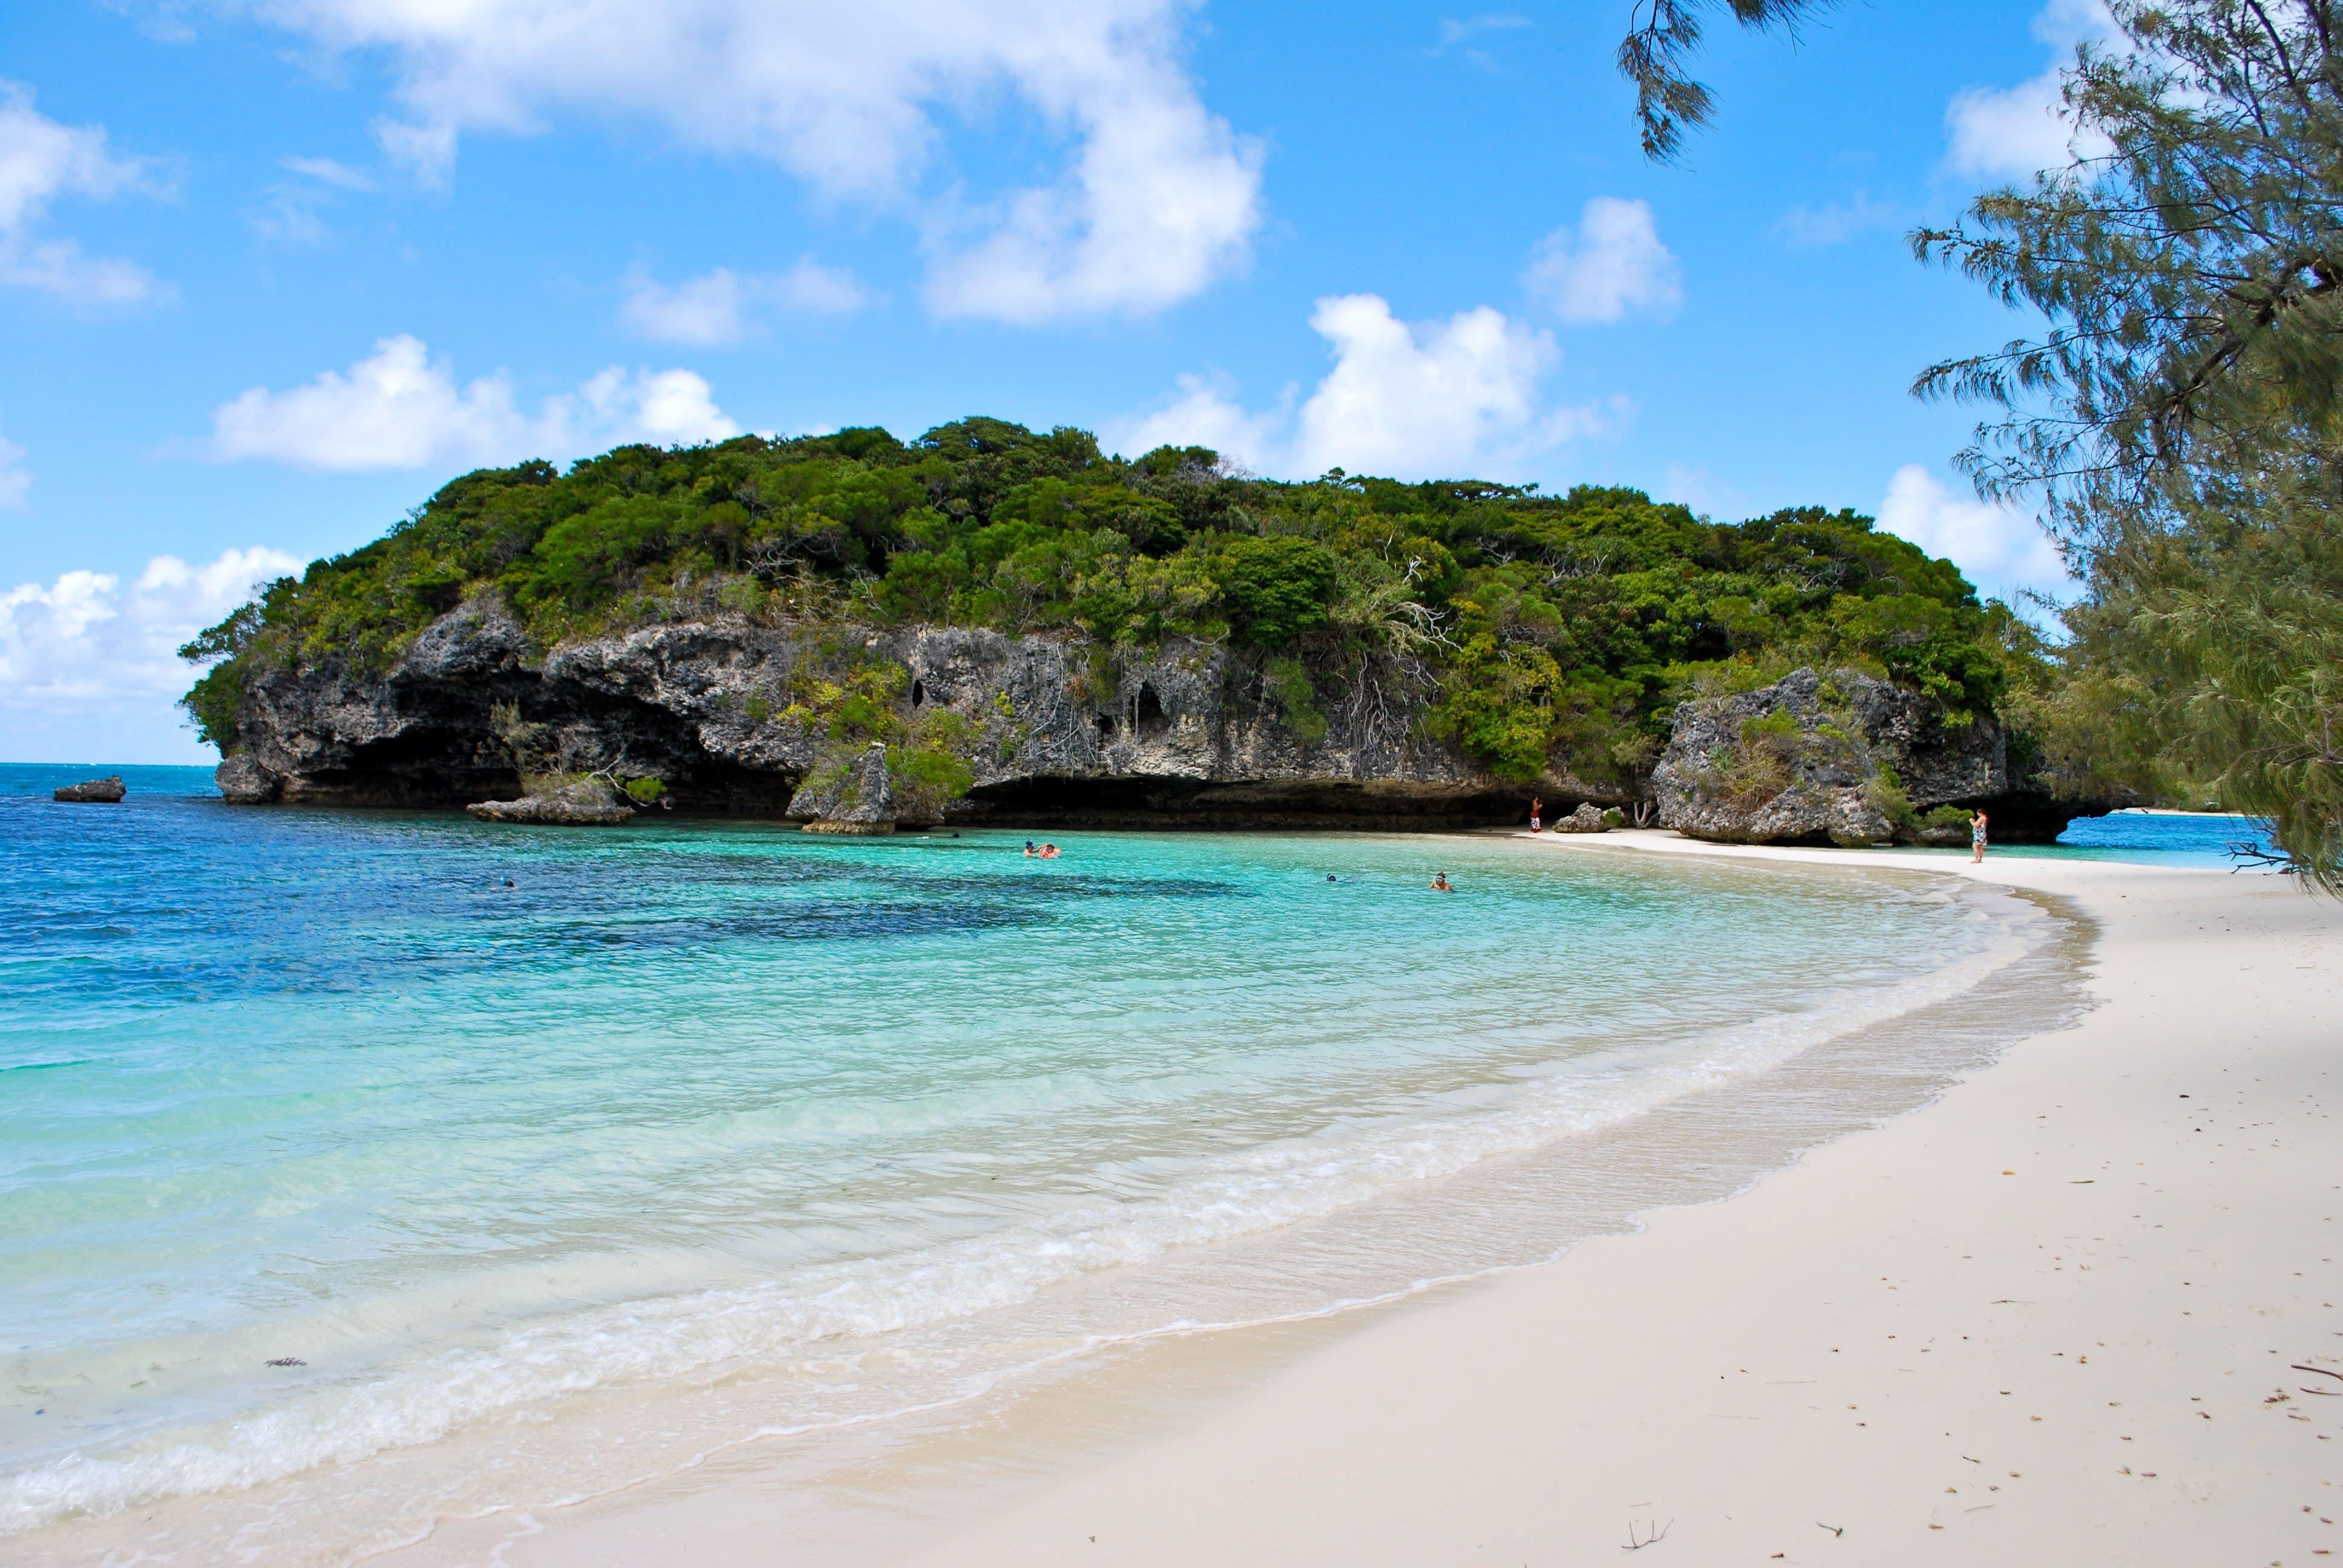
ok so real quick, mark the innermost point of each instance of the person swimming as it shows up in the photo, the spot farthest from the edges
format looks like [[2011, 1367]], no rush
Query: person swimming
[[1441, 884], [1030, 850], [1049, 851]]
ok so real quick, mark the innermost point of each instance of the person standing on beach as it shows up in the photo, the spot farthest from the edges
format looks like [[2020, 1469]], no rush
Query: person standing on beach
[[1976, 837], [1536, 806]]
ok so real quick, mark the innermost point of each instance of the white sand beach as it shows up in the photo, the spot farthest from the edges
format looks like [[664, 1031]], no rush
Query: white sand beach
[[2079, 1310]]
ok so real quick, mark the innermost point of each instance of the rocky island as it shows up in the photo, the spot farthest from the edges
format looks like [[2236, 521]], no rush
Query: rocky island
[[991, 624]]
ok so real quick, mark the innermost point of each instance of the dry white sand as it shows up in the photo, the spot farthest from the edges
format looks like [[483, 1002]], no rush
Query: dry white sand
[[2054, 1318]]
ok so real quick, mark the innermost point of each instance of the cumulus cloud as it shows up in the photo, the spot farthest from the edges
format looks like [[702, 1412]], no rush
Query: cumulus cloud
[[1206, 412], [1999, 549], [1413, 399], [87, 640], [2010, 132], [40, 161], [399, 408], [1610, 263], [1158, 198], [721, 308]]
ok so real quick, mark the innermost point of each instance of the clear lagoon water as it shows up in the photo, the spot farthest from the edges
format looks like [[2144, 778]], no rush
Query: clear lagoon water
[[325, 1154]]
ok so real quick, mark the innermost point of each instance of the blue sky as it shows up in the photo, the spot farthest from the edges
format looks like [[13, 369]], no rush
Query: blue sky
[[273, 271]]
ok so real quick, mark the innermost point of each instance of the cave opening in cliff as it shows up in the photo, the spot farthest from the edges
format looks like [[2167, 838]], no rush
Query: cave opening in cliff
[[1130, 801], [1148, 714]]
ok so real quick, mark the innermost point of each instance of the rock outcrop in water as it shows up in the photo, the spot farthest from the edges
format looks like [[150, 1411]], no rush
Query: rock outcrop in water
[[573, 803], [735, 716], [858, 798], [106, 791], [1844, 758]]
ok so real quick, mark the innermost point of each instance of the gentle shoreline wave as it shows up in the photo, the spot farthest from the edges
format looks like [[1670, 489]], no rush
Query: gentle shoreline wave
[[1217, 1184]]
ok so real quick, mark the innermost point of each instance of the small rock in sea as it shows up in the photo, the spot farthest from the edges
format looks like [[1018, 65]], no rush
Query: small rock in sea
[[582, 803], [289, 1362], [104, 791]]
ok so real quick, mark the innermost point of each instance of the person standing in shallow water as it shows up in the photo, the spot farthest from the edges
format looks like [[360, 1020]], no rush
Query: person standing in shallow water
[[1536, 806], [1976, 837]]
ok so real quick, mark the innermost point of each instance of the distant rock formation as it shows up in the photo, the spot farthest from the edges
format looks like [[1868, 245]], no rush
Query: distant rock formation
[[738, 716], [1588, 819], [1846, 758], [1052, 729], [104, 791], [859, 800], [575, 803]]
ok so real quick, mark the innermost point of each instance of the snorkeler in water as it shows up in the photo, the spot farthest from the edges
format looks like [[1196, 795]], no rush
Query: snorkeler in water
[[1441, 884]]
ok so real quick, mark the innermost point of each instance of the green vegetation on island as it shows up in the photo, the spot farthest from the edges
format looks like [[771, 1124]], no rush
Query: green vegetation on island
[[1553, 629]]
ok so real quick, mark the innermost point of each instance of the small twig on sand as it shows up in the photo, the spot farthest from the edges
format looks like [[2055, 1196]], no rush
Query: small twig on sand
[[1834, 1529], [1653, 1538]]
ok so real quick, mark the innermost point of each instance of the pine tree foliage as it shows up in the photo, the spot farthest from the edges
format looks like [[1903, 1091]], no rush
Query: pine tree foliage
[[1656, 57], [2181, 418]]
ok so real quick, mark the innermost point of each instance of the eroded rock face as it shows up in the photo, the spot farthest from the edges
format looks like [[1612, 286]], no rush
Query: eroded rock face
[[106, 791], [860, 799], [717, 711], [1811, 758], [727, 714]]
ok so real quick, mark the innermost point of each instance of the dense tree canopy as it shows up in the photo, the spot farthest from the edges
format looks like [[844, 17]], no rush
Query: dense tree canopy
[[1552, 628], [2181, 418]]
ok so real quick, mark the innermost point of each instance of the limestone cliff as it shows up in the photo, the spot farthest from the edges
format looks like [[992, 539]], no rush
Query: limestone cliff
[[729, 715]]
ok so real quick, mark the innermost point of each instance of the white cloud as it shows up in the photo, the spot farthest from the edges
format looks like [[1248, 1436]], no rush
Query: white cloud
[[1414, 400], [2010, 132], [84, 640], [399, 408], [41, 160], [15, 479], [1203, 413], [1611, 264], [290, 211], [1159, 196], [1809, 228], [1999, 549], [718, 308], [1457, 32], [819, 290], [329, 171]]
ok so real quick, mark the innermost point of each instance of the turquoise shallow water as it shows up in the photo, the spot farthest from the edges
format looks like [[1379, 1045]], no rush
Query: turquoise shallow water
[[703, 1101]]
